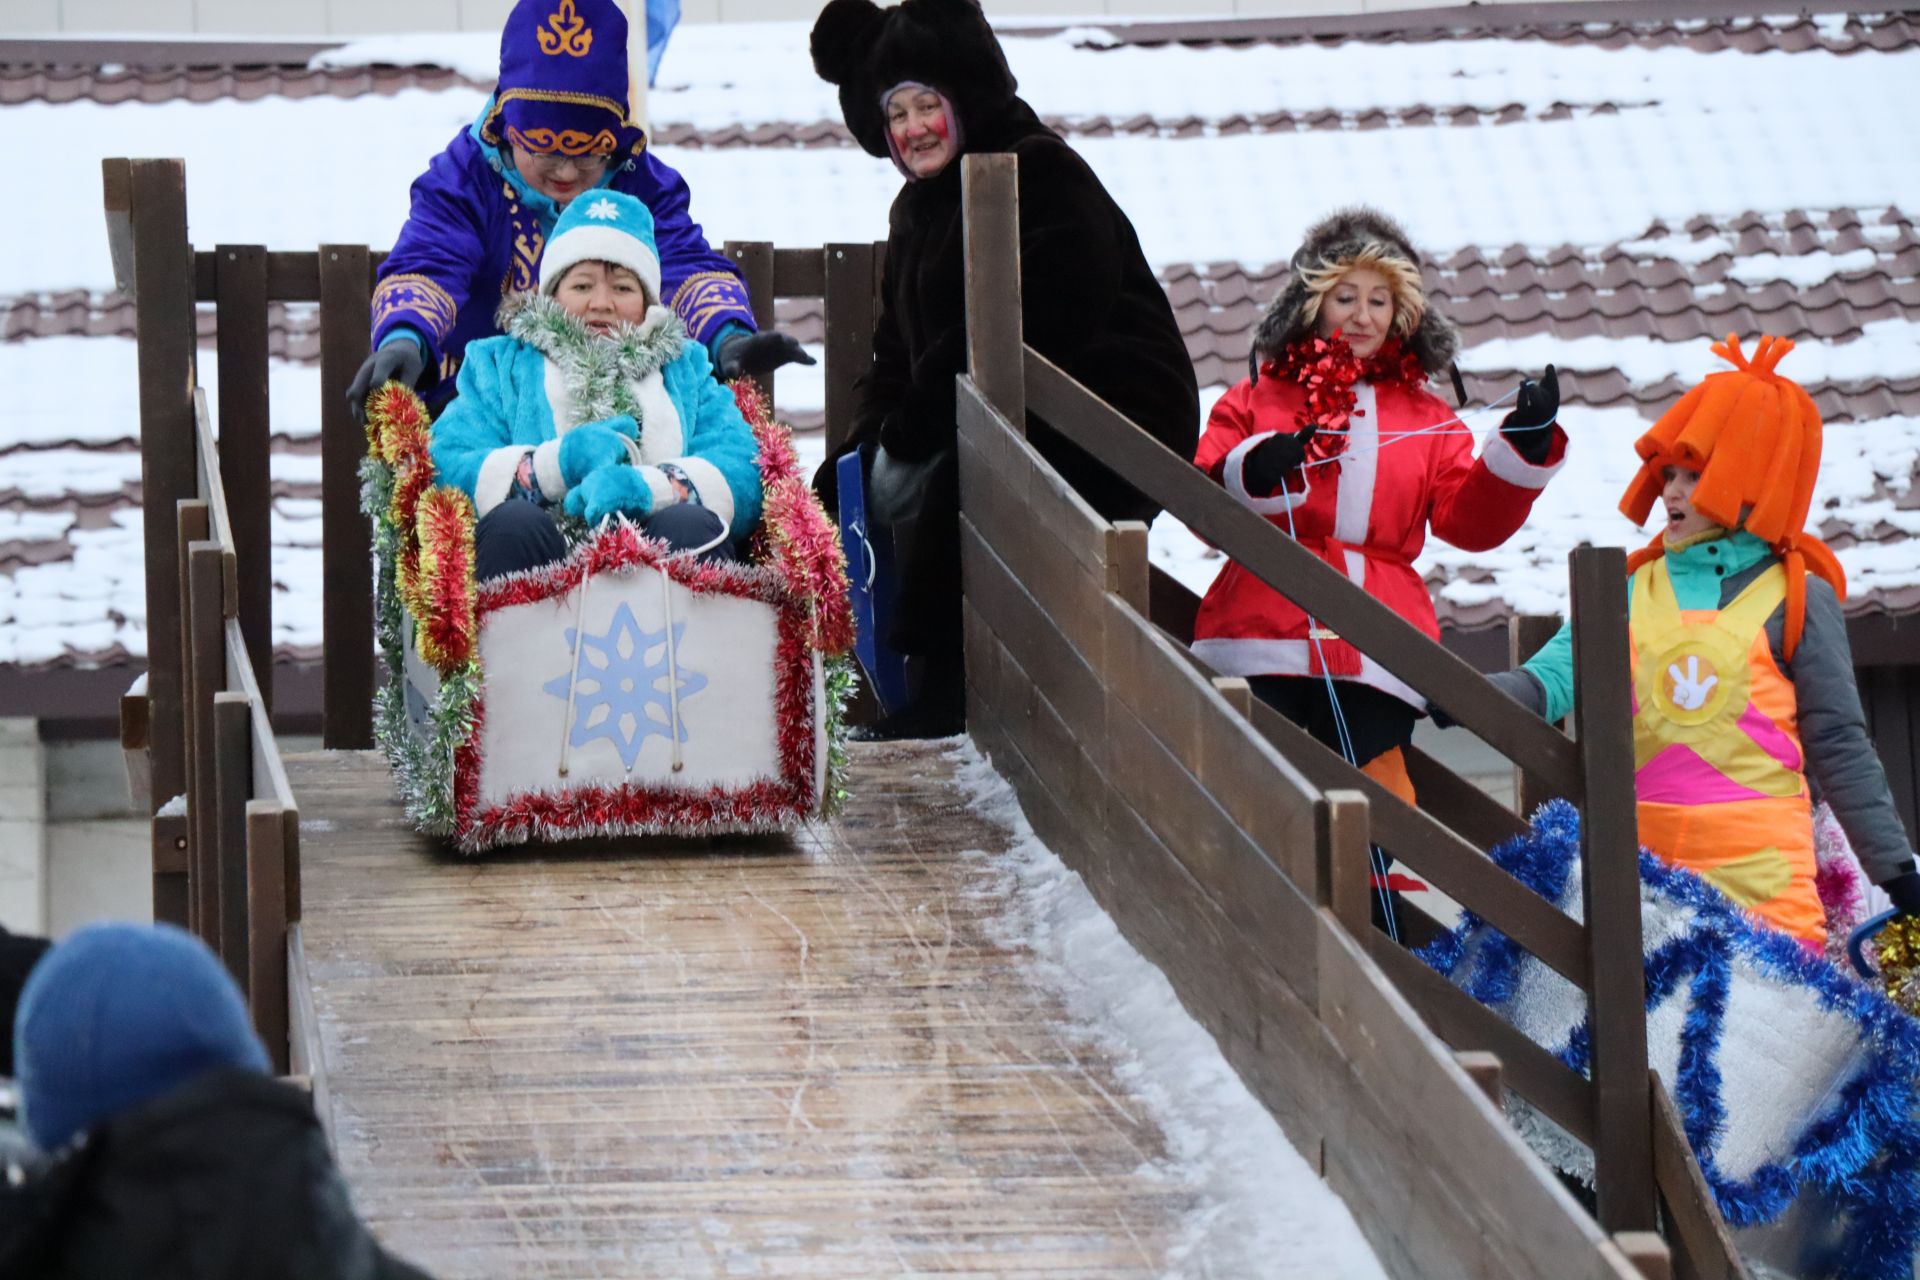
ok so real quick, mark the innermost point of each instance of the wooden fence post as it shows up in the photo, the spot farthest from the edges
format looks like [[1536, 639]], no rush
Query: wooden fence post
[[1344, 870], [266, 942], [1127, 573], [240, 275], [232, 789], [755, 260], [1526, 633], [1610, 882], [346, 295], [207, 671], [990, 197], [147, 225], [848, 299]]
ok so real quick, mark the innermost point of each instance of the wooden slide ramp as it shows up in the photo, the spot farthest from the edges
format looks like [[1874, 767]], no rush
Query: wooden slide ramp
[[748, 1057]]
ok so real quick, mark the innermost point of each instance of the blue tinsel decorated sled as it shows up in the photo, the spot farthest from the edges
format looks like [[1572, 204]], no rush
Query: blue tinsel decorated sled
[[1796, 1083]]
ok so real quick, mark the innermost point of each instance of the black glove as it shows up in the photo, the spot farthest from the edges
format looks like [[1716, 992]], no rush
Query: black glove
[[1904, 889], [400, 361], [744, 354], [1273, 459], [906, 443], [1529, 428]]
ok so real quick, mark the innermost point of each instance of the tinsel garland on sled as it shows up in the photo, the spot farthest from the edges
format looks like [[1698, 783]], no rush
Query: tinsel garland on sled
[[423, 540], [1796, 1084]]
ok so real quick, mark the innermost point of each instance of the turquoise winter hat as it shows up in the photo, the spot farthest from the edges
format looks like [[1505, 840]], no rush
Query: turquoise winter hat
[[603, 226], [117, 1015]]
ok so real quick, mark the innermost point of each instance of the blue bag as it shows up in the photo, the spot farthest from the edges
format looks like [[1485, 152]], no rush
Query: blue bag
[[870, 573]]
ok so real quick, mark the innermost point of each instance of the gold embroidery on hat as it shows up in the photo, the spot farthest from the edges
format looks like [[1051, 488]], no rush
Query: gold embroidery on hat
[[564, 142], [566, 32]]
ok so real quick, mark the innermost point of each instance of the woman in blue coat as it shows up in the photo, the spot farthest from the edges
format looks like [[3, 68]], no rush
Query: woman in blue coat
[[555, 129], [596, 401]]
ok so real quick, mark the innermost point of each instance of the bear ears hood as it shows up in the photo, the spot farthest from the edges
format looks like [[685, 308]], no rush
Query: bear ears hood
[[867, 50], [1343, 236]]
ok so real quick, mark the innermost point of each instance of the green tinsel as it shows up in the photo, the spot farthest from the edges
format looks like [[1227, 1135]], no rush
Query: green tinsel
[[843, 681], [422, 769]]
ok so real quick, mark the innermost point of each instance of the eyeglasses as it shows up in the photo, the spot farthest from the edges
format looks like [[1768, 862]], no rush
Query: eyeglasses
[[547, 161]]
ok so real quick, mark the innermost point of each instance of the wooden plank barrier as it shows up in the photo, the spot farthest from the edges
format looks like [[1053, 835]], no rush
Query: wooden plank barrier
[[228, 866], [1118, 741]]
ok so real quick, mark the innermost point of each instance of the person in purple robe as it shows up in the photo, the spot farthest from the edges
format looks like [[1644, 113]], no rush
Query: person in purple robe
[[556, 126]]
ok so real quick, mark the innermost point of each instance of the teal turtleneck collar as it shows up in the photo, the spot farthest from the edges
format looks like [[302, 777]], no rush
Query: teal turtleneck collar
[[1699, 569]]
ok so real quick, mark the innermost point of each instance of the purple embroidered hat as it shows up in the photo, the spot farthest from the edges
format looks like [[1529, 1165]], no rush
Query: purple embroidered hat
[[563, 80]]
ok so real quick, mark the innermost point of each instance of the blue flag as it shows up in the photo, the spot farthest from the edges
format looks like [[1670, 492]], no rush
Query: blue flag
[[662, 17]]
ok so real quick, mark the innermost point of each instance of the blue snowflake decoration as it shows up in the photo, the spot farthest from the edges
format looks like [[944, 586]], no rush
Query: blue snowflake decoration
[[623, 693]]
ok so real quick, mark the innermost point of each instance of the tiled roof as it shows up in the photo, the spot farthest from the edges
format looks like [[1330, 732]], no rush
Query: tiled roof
[[1613, 314]]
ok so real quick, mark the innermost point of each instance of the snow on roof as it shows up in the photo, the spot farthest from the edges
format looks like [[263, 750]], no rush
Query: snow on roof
[[1609, 198]]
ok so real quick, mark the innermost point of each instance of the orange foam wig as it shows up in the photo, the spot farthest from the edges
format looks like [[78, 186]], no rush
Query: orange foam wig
[[1754, 437]]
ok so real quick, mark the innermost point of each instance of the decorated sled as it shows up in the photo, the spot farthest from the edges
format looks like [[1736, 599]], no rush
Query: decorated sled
[[1798, 1087], [622, 691]]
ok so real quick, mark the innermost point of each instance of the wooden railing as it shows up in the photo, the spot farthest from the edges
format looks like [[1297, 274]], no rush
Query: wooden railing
[[227, 846], [242, 281], [1233, 848], [210, 571]]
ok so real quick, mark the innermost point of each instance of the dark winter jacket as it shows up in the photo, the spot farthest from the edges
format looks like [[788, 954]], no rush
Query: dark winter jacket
[[1090, 302], [226, 1178], [1841, 763]]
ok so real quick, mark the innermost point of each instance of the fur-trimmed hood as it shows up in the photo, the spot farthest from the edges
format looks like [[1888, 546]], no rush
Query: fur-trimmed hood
[[1340, 237], [867, 50]]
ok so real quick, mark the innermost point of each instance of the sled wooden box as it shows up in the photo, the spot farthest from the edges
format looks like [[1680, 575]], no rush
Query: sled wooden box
[[622, 691], [630, 692]]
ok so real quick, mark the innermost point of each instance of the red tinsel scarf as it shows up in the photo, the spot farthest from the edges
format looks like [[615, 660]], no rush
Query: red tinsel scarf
[[1328, 368]]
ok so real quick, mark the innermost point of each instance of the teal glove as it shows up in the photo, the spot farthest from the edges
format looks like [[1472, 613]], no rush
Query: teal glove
[[586, 449], [611, 490]]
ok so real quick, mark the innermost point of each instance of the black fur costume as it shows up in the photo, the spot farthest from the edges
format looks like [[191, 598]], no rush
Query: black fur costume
[[1090, 302]]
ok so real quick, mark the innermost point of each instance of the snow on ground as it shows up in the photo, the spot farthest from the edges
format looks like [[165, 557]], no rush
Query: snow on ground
[[1263, 1214], [1833, 130]]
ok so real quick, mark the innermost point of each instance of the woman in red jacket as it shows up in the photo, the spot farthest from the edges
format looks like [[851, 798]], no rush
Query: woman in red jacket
[[1337, 438]]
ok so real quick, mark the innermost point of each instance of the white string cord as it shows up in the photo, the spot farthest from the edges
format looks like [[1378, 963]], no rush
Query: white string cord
[[573, 676], [673, 670]]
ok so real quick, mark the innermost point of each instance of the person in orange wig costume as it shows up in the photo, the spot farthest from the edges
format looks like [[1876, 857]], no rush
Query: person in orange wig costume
[[1743, 681]]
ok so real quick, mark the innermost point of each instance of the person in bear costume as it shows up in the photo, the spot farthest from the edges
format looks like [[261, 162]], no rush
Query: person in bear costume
[[923, 83]]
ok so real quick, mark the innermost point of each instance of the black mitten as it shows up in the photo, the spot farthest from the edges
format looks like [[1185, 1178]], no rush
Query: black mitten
[[1272, 460], [1529, 428], [745, 354], [400, 360]]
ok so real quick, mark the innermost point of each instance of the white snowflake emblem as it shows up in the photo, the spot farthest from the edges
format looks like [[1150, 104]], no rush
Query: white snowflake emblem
[[620, 694], [603, 209]]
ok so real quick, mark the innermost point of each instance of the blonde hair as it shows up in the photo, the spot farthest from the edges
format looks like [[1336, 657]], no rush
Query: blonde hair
[[1402, 277]]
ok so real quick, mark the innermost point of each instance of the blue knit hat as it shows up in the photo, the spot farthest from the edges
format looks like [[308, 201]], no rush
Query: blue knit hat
[[603, 226], [563, 80], [119, 1014]]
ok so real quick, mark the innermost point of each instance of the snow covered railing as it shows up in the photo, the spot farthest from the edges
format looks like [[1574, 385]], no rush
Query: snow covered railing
[[226, 845], [1234, 849]]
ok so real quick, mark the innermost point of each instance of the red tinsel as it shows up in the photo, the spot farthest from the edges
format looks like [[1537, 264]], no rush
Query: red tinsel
[[444, 603], [799, 538], [1328, 368], [394, 410]]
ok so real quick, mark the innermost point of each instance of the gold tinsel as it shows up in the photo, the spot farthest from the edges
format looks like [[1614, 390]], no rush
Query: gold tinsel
[[1897, 956]]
